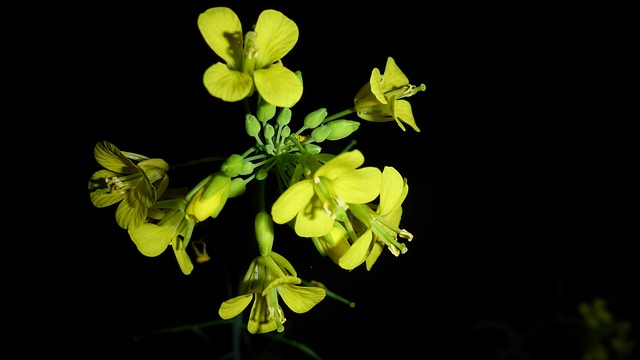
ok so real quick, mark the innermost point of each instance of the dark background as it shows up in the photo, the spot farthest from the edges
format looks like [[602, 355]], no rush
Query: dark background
[[513, 197]]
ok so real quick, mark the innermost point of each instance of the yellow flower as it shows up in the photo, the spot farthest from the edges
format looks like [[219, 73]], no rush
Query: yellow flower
[[136, 187], [382, 226], [173, 229], [316, 202], [379, 99], [209, 199], [266, 278], [252, 64]]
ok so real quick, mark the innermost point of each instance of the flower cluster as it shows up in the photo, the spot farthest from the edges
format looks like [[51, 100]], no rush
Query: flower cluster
[[349, 211]]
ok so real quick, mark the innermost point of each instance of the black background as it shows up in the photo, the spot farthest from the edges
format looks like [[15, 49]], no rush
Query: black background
[[513, 197]]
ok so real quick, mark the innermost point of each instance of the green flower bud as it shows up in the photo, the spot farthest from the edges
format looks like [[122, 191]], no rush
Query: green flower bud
[[312, 148], [340, 129], [238, 187], [264, 232], [321, 133], [247, 168], [233, 165], [252, 124], [268, 131], [313, 119], [265, 111], [262, 174], [285, 132], [284, 116]]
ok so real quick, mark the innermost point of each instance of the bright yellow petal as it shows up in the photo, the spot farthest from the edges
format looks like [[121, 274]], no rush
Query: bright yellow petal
[[402, 110], [312, 221], [359, 186], [150, 239], [278, 85], [357, 253], [222, 31], [232, 307], [301, 299], [290, 202], [393, 77], [342, 163], [110, 157], [225, 84], [391, 190], [276, 36]]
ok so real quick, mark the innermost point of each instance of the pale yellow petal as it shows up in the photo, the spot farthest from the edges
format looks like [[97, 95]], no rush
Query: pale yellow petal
[[301, 299], [392, 188], [393, 78], [359, 186], [312, 221], [234, 306], [222, 31], [290, 202], [402, 110], [357, 253], [259, 321], [110, 157], [276, 36], [228, 85], [150, 239], [278, 85], [342, 163]]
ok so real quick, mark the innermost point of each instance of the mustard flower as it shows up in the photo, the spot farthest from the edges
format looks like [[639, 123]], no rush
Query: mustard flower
[[382, 225], [252, 63], [135, 186], [174, 230], [266, 278], [317, 201], [379, 99]]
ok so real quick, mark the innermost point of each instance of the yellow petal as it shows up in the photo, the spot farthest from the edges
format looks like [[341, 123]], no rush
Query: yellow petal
[[130, 214], [290, 202], [374, 254], [358, 252], [312, 221], [359, 186], [301, 299], [276, 36], [225, 84], [391, 190], [184, 261], [278, 85], [110, 157], [393, 77], [232, 307], [342, 163], [222, 31], [150, 239], [402, 110]]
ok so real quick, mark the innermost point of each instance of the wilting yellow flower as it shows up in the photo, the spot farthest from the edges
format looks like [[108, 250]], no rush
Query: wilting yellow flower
[[379, 99], [315, 202], [174, 229], [135, 186], [382, 226], [252, 62], [209, 199], [266, 278]]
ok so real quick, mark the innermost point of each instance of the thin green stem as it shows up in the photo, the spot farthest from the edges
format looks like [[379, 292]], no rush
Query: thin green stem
[[339, 115]]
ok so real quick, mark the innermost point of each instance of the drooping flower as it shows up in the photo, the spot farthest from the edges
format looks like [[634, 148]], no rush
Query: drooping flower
[[253, 62], [174, 230], [267, 278], [379, 100], [315, 202], [135, 186], [382, 225]]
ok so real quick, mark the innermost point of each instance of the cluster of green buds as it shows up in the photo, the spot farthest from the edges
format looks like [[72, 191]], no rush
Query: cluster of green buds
[[349, 212]]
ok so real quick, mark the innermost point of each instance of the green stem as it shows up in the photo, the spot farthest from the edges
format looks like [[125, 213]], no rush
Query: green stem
[[339, 115], [331, 294]]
